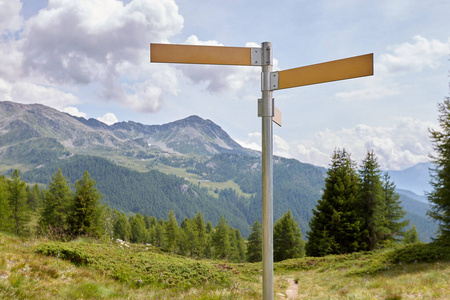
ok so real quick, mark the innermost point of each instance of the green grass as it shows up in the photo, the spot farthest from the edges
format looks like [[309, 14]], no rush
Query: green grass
[[87, 269]]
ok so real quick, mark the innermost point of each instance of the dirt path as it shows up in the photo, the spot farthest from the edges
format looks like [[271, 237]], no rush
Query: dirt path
[[292, 290]]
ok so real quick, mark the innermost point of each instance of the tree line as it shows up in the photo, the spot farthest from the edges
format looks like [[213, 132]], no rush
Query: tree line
[[59, 213]]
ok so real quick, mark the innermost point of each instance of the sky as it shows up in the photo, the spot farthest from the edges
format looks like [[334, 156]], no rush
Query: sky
[[90, 58]]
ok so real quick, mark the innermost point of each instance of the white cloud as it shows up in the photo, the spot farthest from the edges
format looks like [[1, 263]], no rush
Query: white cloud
[[24, 92], [74, 112], [10, 19], [108, 119], [413, 57], [401, 59], [220, 79], [90, 43], [399, 146]]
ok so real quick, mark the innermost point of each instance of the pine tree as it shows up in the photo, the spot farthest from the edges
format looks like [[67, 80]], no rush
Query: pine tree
[[336, 223], [439, 197], [411, 236], [19, 210], [254, 246], [371, 200], [287, 239], [393, 211], [85, 215], [57, 202]]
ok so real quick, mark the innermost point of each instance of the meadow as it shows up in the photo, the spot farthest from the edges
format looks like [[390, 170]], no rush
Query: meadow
[[90, 269]]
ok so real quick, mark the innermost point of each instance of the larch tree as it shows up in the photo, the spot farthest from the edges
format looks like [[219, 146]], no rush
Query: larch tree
[[287, 239], [336, 226], [439, 197], [254, 245]]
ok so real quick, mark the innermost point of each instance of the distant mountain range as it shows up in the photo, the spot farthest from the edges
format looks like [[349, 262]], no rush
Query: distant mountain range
[[415, 179], [186, 165]]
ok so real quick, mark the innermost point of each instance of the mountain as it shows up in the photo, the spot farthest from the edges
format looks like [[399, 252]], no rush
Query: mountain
[[186, 165], [26, 128], [415, 179]]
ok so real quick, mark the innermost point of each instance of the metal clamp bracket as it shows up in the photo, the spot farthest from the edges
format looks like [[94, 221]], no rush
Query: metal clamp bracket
[[265, 109], [256, 56], [274, 81]]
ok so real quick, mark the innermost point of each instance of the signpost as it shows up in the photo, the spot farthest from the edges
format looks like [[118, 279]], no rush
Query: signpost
[[347, 68]]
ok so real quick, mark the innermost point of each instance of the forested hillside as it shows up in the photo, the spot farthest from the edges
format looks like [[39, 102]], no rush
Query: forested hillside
[[186, 165]]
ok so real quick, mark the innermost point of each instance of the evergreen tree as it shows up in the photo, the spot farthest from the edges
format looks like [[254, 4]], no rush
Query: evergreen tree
[[439, 197], [393, 211], [336, 226], [19, 210], [411, 236], [221, 239], [240, 249], [138, 230], [122, 227], [200, 229], [254, 246], [171, 231], [85, 215], [188, 243], [57, 202], [5, 224], [371, 200], [287, 239], [34, 197]]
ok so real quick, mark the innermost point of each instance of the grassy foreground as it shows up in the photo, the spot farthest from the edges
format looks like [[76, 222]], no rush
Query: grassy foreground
[[82, 269]]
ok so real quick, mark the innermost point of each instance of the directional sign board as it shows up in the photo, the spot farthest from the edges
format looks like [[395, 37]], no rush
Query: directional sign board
[[211, 55], [347, 68]]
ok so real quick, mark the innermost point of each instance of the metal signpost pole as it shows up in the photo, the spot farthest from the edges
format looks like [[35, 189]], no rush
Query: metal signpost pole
[[347, 68], [266, 109]]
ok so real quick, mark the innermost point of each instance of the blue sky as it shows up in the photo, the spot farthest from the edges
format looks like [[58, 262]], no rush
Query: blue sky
[[91, 58]]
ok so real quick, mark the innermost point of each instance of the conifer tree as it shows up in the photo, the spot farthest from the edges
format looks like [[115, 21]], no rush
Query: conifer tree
[[393, 211], [287, 239], [221, 239], [336, 223], [5, 224], [57, 202], [122, 227], [171, 230], [34, 197], [439, 197], [411, 236], [254, 246], [371, 200], [19, 210], [138, 230], [85, 215], [200, 229]]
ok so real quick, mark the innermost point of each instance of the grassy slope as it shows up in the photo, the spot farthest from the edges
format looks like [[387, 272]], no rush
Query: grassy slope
[[39, 269]]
